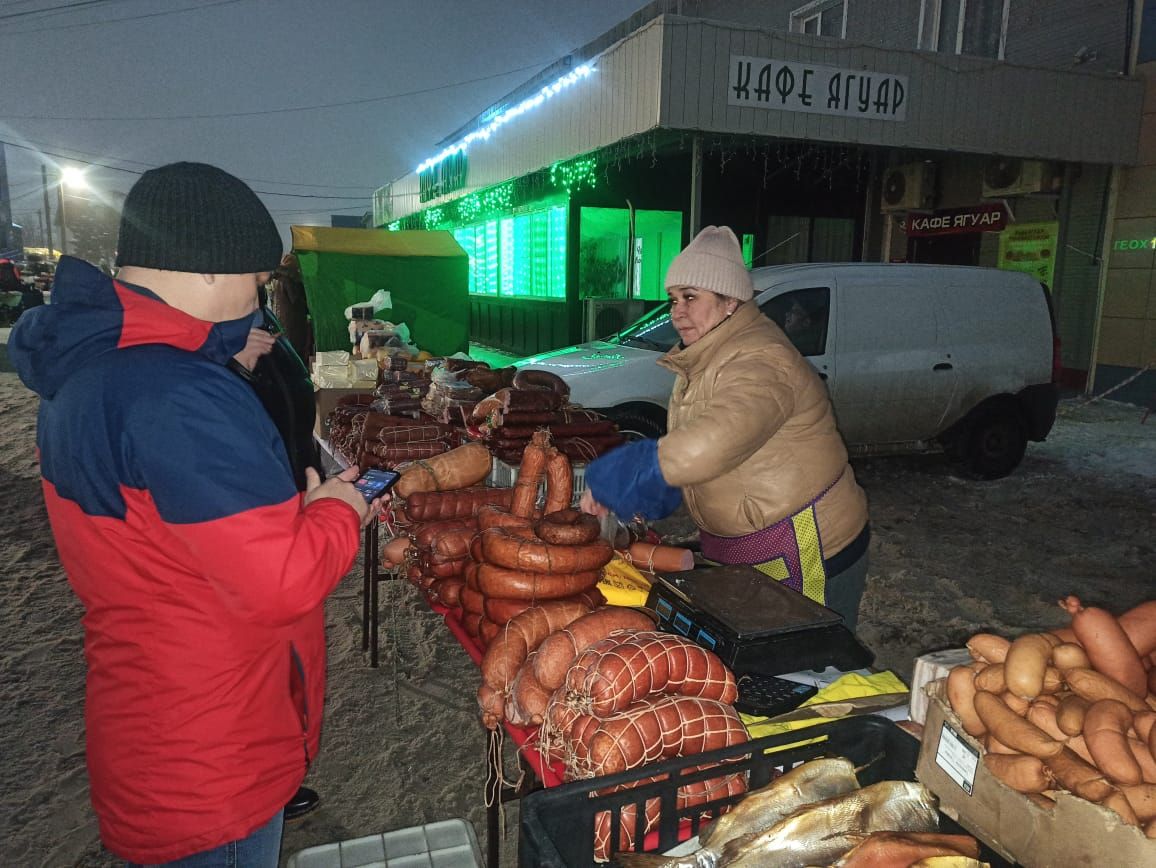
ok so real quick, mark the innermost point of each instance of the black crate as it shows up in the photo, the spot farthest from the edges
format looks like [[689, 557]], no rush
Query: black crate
[[557, 824]]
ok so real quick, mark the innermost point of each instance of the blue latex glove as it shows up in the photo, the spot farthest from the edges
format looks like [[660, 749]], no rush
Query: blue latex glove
[[629, 482]]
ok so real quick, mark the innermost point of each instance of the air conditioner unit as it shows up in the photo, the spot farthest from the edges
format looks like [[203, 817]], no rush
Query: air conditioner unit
[[602, 317], [1009, 176], [908, 188]]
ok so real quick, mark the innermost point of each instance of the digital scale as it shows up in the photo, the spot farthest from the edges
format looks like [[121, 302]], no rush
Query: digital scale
[[753, 623]]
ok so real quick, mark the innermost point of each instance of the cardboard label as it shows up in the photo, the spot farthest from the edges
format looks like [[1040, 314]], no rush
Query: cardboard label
[[957, 758]]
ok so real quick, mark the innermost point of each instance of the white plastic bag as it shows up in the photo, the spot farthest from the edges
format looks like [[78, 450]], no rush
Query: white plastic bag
[[380, 301]]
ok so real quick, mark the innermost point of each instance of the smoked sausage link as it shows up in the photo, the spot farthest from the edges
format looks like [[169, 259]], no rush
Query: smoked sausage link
[[521, 585], [648, 662], [560, 649], [505, 549], [567, 527]]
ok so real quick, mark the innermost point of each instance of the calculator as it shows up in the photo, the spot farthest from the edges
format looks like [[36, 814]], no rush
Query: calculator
[[768, 695]]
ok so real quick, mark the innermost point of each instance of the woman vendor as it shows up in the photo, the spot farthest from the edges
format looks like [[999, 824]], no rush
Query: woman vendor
[[752, 446]]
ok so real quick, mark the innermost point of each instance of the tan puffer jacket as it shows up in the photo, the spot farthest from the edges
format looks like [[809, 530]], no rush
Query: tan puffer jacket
[[752, 436]]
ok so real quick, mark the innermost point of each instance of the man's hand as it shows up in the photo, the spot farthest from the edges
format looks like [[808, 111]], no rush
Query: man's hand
[[260, 343], [341, 488]]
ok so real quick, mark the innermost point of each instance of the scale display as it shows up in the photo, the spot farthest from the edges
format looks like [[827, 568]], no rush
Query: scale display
[[753, 623]]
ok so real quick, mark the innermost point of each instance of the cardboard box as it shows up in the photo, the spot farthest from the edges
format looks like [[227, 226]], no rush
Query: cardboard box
[[1075, 832], [326, 400], [928, 668]]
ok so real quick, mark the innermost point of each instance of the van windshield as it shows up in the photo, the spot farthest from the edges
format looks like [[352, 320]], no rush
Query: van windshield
[[653, 332]]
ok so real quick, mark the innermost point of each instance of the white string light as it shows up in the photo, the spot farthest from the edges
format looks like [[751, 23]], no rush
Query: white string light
[[575, 75]]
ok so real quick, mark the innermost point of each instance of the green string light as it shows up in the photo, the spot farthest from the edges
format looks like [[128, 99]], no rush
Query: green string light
[[575, 175], [433, 218], [394, 226]]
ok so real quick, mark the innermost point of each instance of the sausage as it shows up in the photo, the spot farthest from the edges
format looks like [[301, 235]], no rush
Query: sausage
[[521, 585], [1078, 775], [1106, 734], [521, 635], [559, 483], [559, 649], [988, 648], [424, 533], [1043, 715], [1016, 703], [567, 527], [1011, 729], [1140, 625], [1026, 665], [1144, 759], [1107, 645], [436, 505], [500, 610], [1142, 722], [648, 662], [660, 559], [495, 516], [395, 550], [505, 549], [1118, 802], [1069, 655], [472, 601], [459, 468], [450, 591], [654, 730], [445, 569], [1094, 686], [991, 678], [530, 475], [488, 630], [493, 705], [528, 699], [1070, 714], [531, 379], [1142, 798], [961, 696], [1023, 773]]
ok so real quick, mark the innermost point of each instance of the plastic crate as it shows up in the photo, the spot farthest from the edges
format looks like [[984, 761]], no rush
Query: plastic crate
[[557, 824], [446, 844], [503, 475]]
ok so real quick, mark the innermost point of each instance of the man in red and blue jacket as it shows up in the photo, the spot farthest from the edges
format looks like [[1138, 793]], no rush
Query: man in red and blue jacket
[[202, 569]]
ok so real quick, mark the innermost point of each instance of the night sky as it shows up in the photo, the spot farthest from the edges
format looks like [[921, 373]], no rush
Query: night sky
[[75, 81]]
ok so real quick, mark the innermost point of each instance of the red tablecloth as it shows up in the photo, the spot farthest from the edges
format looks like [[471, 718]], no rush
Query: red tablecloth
[[525, 737]]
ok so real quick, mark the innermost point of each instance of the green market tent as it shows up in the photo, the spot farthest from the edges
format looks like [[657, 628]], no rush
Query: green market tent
[[426, 274]]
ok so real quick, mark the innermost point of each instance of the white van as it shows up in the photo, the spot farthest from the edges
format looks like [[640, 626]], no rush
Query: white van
[[918, 358]]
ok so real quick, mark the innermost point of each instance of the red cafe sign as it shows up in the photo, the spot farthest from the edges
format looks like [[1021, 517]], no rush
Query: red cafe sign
[[989, 217]]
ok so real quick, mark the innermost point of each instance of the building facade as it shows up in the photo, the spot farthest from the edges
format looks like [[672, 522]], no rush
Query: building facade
[[982, 132]]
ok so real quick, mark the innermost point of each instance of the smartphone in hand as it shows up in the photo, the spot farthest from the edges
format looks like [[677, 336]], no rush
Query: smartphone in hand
[[374, 483]]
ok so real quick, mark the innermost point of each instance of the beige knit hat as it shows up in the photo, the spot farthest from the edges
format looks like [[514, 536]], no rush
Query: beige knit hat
[[713, 261]]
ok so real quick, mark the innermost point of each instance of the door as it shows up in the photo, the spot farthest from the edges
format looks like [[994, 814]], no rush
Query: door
[[895, 379]]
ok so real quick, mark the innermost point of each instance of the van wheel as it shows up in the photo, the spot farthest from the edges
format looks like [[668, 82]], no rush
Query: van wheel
[[638, 421], [995, 443]]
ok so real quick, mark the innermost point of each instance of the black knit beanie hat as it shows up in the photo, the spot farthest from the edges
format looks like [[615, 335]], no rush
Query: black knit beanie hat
[[196, 218]]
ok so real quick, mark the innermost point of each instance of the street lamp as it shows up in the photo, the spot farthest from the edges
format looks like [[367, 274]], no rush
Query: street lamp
[[75, 179]]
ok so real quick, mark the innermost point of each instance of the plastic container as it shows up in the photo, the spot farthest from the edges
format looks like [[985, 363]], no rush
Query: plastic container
[[557, 824], [446, 844], [503, 475]]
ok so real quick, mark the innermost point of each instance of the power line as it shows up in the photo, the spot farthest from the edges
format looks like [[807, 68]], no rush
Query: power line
[[276, 111], [119, 20], [78, 4]]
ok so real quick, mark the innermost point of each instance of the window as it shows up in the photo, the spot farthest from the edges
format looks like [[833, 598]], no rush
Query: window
[[975, 27], [982, 28], [821, 18], [803, 315], [520, 256]]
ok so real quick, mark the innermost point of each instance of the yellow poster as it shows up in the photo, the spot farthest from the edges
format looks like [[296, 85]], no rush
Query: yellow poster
[[1030, 247]]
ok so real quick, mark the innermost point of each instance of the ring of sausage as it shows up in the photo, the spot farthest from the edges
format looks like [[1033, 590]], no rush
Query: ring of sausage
[[567, 527]]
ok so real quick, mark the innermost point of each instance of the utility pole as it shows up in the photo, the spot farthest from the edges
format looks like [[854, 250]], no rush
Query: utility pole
[[60, 214], [47, 210]]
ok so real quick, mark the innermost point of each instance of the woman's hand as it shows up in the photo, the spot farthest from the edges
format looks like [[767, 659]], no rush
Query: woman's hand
[[590, 506], [260, 343], [341, 488]]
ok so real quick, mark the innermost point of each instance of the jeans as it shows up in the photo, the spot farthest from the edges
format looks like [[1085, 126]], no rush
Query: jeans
[[261, 849], [844, 591]]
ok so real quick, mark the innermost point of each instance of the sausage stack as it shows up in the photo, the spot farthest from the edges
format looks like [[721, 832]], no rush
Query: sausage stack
[[1071, 709], [521, 557], [638, 697], [539, 399]]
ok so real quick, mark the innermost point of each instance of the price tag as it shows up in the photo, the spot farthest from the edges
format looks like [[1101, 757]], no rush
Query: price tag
[[957, 758]]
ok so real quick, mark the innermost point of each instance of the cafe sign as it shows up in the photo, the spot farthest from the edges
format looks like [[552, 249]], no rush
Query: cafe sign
[[811, 88], [989, 217]]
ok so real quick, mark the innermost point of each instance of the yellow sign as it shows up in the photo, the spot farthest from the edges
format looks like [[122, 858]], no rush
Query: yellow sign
[[1031, 248]]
